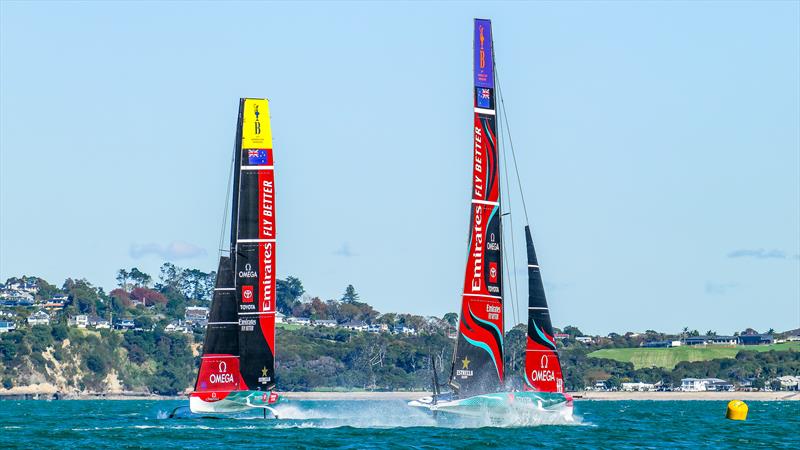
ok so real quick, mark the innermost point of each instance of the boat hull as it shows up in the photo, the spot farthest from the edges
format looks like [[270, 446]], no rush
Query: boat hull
[[501, 406], [233, 402]]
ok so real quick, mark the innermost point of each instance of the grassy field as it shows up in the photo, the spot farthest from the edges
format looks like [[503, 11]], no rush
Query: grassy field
[[669, 357]]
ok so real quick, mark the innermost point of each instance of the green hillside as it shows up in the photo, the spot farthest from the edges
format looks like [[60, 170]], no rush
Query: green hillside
[[668, 358]]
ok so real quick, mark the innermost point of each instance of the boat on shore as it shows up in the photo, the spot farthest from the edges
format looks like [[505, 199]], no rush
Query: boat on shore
[[478, 384]]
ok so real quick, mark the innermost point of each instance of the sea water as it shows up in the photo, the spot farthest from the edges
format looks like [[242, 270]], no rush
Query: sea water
[[391, 424]]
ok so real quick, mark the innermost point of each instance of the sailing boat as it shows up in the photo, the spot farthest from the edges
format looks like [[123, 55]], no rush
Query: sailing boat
[[478, 378], [237, 369]]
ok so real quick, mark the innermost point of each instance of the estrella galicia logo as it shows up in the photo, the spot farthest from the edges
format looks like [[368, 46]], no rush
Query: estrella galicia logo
[[257, 123]]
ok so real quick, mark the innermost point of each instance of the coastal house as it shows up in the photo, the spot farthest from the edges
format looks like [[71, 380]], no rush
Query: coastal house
[[98, 323], [355, 325], [561, 336], [584, 339], [39, 318], [328, 323], [280, 317], [711, 340], [639, 387], [705, 384], [717, 385], [789, 382], [409, 331], [6, 326], [600, 385], [304, 321], [378, 328], [54, 305], [178, 326], [80, 321], [124, 324], [196, 315]]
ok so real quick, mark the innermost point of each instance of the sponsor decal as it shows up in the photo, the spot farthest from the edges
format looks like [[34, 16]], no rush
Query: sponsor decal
[[268, 282], [223, 376], [256, 132], [247, 324], [492, 272], [464, 371], [267, 206], [477, 249], [264, 379], [478, 164], [247, 294], [484, 98], [248, 272], [493, 311], [257, 157], [483, 54], [492, 244]]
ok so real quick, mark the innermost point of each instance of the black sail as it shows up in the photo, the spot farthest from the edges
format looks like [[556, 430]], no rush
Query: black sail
[[222, 331], [542, 364]]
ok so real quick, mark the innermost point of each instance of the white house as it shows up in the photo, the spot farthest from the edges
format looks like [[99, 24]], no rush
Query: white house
[[39, 318], [98, 323], [80, 321], [304, 321], [789, 382], [355, 325], [378, 328], [584, 339], [407, 330], [328, 323], [196, 314], [5, 326], [705, 384], [280, 317], [178, 326], [640, 387]]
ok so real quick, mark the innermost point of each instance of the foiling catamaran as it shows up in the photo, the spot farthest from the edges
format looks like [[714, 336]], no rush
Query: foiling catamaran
[[237, 369], [477, 381]]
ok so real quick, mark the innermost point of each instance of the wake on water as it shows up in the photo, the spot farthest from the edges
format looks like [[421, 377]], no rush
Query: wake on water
[[389, 414]]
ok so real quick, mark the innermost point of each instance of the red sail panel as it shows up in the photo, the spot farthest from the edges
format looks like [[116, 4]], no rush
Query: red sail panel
[[219, 375], [478, 359]]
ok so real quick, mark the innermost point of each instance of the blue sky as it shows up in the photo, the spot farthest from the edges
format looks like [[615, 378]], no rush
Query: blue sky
[[658, 143]]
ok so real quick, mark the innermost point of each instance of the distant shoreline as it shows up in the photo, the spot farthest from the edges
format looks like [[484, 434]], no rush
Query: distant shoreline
[[412, 395]]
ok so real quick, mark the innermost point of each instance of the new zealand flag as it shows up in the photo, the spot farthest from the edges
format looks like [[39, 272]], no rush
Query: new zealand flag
[[484, 98], [257, 157]]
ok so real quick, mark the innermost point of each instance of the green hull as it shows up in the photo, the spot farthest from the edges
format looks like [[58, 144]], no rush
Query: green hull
[[235, 401]]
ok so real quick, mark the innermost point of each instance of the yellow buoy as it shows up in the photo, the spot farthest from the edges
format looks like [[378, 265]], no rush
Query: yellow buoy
[[737, 410]]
